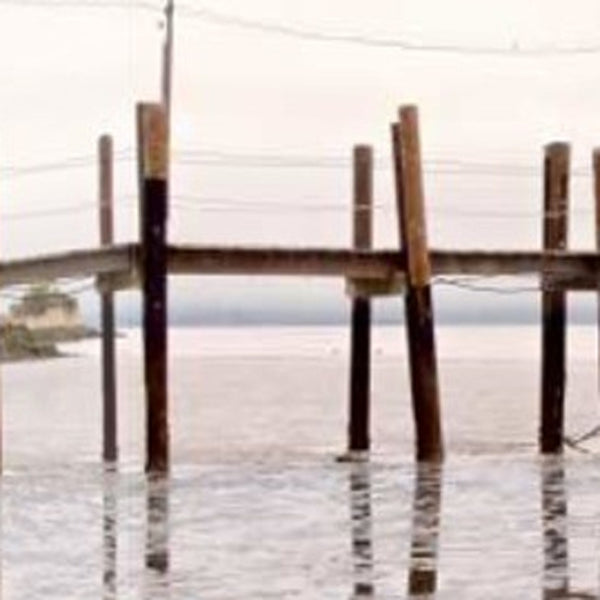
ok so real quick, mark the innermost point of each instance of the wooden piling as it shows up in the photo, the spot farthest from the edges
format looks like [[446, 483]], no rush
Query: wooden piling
[[554, 302], [418, 301], [596, 169], [360, 350], [107, 306], [153, 152]]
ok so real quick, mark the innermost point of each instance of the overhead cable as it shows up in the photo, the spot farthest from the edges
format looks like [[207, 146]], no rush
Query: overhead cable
[[228, 19]]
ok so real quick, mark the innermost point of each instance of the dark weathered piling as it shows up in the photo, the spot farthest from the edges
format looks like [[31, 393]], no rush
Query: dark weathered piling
[[360, 350], [107, 304], [153, 152], [554, 301], [418, 301], [596, 169]]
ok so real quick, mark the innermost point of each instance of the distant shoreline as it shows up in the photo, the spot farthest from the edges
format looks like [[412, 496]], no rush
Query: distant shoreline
[[247, 324]]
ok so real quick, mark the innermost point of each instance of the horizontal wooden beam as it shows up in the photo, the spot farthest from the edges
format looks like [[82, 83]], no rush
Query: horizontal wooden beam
[[277, 261], [76, 264], [119, 264], [572, 270], [575, 270]]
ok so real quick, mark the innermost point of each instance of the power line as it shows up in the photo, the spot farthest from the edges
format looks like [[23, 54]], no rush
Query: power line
[[219, 158], [217, 204], [232, 159], [51, 212], [75, 162], [466, 284], [282, 29], [94, 4], [62, 210], [227, 204]]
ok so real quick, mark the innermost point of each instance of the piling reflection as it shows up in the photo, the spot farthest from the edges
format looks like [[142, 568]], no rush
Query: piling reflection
[[157, 538], [422, 577], [555, 583], [362, 539], [109, 534]]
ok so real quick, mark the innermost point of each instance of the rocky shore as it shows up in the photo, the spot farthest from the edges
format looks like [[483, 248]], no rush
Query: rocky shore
[[18, 343], [41, 319]]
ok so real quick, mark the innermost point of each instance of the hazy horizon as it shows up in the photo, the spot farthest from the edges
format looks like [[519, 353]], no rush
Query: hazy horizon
[[264, 124]]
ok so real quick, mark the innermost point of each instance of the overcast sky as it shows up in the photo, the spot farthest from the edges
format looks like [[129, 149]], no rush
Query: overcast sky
[[71, 73]]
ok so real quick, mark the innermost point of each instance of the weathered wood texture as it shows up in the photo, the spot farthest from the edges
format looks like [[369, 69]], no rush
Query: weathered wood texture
[[107, 307], [73, 264], [153, 153], [554, 302], [360, 334], [574, 270], [418, 301], [596, 170], [578, 270]]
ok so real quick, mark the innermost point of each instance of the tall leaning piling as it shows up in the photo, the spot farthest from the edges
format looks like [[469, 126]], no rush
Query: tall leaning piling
[[418, 297]]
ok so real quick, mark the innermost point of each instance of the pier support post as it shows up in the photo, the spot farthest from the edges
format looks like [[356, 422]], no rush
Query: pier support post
[[554, 302], [153, 153], [107, 305], [418, 301], [360, 350], [596, 169]]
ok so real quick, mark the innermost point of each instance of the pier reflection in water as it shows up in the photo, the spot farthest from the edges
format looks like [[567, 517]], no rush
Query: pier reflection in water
[[422, 564], [521, 538], [422, 574], [155, 583], [157, 538], [109, 533], [555, 580], [362, 531]]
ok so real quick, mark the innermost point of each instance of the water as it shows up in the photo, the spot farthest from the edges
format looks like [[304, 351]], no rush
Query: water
[[257, 506]]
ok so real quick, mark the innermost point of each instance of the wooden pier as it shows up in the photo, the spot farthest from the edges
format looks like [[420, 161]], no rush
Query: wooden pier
[[409, 270]]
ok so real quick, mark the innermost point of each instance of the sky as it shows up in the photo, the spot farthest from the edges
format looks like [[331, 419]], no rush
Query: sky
[[265, 117]]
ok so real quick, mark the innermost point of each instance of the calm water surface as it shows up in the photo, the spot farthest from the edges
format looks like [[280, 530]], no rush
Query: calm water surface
[[257, 506]]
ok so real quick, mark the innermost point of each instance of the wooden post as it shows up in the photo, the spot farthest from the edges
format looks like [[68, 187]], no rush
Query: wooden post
[[596, 167], [418, 302], [152, 130], [360, 351], [554, 302], [109, 386]]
